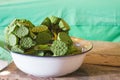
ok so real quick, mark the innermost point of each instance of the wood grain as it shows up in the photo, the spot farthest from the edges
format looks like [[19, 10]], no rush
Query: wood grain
[[85, 72], [104, 53]]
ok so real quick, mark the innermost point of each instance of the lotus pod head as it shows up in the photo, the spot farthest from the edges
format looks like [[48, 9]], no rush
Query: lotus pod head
[[26, 42], [63, 36], [43, 37], [21, 31], [59, 48]]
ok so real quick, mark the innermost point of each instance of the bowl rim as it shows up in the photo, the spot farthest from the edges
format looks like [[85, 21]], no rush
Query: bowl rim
[[53, 56], [89, 49]]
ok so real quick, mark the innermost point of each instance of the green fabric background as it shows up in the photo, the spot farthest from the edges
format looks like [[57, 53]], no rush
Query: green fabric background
[[88, 19]]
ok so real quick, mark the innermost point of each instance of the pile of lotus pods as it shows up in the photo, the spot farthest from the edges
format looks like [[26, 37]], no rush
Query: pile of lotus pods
[[50, 38]]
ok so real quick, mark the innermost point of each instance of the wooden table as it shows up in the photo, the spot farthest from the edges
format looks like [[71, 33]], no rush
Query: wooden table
[[102, 63]]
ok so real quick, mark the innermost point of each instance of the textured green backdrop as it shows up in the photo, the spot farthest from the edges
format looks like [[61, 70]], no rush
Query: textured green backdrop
[[91, 20]]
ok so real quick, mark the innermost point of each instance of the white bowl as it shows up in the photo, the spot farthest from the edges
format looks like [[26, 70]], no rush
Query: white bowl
[[52, 66]]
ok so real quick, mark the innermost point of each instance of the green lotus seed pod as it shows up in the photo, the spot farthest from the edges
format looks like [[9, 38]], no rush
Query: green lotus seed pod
[[9, 29], [56, 29], [26, 42], [13, 22], [42, 47], [54, 19], [6, 34], [30, 51], [17, 48], [12, 28], [40, 28], [59, 48], [46, 22], [41, 53], [12, 40], [62, 36], [6, 30], [25, 22], [32, 35], [72, 50], [43, 38], [22, 22], [63, 25], [21, 31]]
